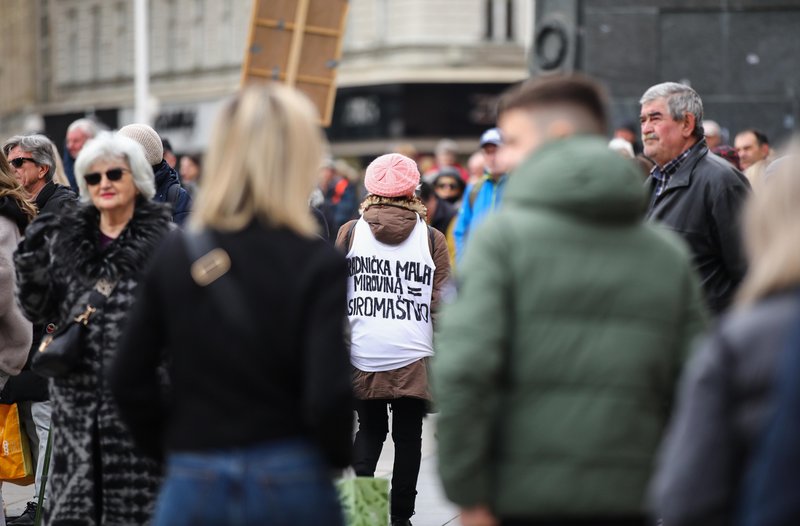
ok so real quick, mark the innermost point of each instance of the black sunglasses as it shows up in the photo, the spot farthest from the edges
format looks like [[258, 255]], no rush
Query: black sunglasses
[[19, 161], [114, 174]]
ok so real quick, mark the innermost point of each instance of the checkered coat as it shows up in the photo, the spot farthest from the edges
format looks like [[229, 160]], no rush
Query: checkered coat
[[96, 475]]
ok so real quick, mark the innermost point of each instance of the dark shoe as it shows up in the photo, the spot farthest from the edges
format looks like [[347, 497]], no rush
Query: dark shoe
[[26, 519], [396, 521]]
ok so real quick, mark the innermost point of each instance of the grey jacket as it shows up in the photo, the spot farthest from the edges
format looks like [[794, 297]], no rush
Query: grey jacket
[[723, 406]]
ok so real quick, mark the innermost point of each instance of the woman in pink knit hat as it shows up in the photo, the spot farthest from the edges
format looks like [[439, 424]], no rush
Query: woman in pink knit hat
[[397, 266]]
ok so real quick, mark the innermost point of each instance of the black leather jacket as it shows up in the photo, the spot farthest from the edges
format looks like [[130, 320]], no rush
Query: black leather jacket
[[702, 203]]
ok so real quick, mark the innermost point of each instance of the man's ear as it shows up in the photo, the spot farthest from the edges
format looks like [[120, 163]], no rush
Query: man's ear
[[689, 122], [43, 171]]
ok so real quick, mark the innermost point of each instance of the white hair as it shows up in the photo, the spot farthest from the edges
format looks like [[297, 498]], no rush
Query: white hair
[[87, 126], [711, 128], [38, 146], [622, 147], [681, 99], [106, 146]]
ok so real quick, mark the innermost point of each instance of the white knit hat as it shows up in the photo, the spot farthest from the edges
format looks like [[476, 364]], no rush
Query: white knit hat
[[148, 138]]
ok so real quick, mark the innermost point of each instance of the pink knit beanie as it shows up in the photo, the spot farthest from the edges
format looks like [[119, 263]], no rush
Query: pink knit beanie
[[392, 175]]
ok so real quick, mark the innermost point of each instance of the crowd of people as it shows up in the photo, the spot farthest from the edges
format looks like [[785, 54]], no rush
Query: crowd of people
[[600, 351]]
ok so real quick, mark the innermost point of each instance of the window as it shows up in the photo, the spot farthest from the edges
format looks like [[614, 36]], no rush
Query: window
[[499, 20]]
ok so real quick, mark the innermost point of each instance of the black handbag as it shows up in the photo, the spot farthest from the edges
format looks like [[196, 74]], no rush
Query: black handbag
[[61, 351]]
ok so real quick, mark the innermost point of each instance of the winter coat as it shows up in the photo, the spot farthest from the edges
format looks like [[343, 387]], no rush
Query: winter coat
[[58, 264], [279, 372], [392, 224], [702, 203], [15, 330], [723, 408], [180, 200], [770, 492], [27, 385], [340, 204], [53, 198], [488, 196], [556, 365]]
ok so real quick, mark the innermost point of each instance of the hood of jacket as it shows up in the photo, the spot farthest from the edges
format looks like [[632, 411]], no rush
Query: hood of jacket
[[392, 220], [582, 177], [165, 175]]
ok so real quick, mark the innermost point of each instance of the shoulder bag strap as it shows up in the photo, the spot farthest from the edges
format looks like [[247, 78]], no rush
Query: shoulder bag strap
[[209, 267]]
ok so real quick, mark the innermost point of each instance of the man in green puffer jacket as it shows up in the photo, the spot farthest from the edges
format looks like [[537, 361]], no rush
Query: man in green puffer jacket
[[557, 363]]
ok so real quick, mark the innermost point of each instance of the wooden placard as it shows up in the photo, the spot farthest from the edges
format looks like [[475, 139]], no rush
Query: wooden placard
[[298, 42]]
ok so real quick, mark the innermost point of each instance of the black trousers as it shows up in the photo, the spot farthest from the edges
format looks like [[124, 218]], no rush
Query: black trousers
[[373, 426]]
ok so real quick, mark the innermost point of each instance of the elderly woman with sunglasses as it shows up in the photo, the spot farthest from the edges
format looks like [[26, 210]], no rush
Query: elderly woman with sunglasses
[[96, 475]]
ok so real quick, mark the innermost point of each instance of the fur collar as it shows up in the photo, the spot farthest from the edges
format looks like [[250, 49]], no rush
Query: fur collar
[[78, 249], [412, 203]]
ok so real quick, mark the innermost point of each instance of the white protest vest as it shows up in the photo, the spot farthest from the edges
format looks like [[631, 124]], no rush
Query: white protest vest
[[389, 290]]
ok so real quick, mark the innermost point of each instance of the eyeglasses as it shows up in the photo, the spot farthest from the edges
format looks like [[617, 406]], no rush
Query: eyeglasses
[[113, 174], [19, 161], [451, 186]]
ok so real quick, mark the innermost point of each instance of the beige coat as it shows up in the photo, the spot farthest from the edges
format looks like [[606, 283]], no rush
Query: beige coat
[[16, 332]]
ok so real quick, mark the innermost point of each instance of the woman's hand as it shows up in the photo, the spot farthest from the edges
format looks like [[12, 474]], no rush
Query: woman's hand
[[478, 516]]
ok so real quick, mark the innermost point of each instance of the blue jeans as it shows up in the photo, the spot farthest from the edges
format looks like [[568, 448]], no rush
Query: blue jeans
[[283, 483]]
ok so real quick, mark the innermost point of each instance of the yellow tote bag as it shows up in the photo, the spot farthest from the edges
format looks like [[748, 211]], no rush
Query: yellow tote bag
[[15, 453]]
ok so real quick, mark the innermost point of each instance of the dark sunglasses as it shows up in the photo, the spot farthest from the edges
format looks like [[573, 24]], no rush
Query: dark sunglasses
[[451, 186], [114, 174], [19, 161]]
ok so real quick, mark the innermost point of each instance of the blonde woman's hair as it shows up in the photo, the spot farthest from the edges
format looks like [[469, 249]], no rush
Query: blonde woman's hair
[[9, 186], [771, 234], [263, 162]]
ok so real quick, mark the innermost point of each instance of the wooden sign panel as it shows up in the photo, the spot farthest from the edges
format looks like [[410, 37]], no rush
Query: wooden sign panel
[[298, 42]]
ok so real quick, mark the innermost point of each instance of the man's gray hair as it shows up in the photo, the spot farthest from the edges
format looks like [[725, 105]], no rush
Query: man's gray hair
[[39, 147], [107, 147], [87, 126], [681, 99]]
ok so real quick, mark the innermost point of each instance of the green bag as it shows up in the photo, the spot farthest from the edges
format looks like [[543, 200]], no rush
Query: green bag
[[365, 501]]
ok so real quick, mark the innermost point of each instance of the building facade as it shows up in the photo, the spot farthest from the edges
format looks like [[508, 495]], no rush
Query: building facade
[[412, 69]]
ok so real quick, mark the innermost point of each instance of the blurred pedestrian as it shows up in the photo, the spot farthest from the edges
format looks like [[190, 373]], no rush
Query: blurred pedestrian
[[248, 307], [27, 388], [191, 169], [78, 132], [475, 166], [168, 184], [449, 186], [726, 395], [695, 194], [754, 155], [397, 266], [96, 475], [729, 154], [483, 197], [770, 492], [340, 203], [15, 331], [447, 155], [169, 154], [557, 362], [712, 133]]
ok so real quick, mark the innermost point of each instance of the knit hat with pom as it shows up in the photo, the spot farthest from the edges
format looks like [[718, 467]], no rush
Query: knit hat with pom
[[392, 175], [148, 138]]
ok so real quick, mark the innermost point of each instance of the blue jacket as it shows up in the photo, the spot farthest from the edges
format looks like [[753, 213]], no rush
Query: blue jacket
[[166, 177], [488, 198], [69, 169]]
